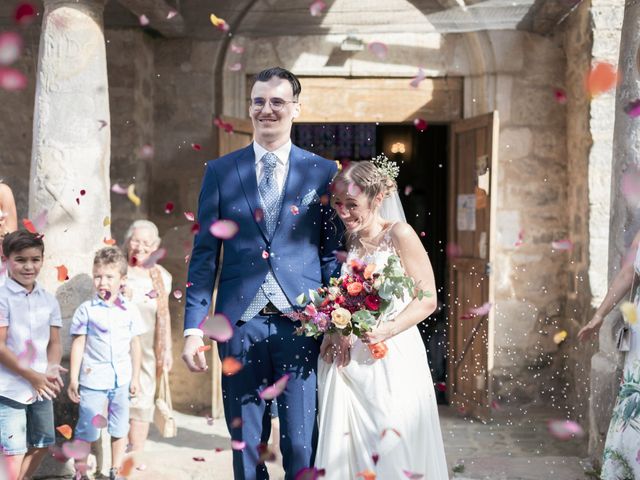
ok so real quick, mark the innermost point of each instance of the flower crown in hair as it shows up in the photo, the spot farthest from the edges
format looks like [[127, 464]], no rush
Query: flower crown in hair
[[386, 167]]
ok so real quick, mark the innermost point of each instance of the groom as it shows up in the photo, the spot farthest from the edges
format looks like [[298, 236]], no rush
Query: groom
[[285, 245]]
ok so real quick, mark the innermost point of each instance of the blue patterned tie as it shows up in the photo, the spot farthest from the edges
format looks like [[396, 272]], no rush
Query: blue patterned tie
[[271, 197], [268, 189]]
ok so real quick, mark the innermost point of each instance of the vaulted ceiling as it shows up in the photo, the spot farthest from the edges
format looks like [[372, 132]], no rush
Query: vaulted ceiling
[[266, 18]]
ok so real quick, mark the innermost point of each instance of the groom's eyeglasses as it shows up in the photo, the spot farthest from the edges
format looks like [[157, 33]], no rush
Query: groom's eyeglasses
[[276, 104]]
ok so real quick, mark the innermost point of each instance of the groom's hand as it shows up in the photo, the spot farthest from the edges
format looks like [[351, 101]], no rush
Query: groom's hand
[[193, 355]]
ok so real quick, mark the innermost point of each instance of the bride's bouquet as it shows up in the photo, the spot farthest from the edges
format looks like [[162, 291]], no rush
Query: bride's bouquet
[[356, 302]]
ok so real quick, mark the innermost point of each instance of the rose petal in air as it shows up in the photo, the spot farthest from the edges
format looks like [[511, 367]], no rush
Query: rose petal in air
[[235, 67], [630, 185], [189, 216], [171, 14], [602, 78], [224, 229], [144, 20], [238, 445], [127, 466], [119, 189], [65, 430], [412, 475], [309, 473], [294, 210], [195, 228], [276, 389], [441, 386], [265, 254], [420, 124], [565, 429], [76, 449], [564, 244], [227, 127], [237, 48], [12, 79], [28, 355], [379, 49], [633, 108], [155, 257], [217, 327], [168, 207], [177, 294], [109, 241], [236, 422], [415, 83], [196, 146], [407, 190], [258, 215], [317, 7], [560, 337], [25, 13], [231, 366], [152, 294], [560, 96], [99, 421], [63, 273], [265, 454], [10, 47], [366, 475]]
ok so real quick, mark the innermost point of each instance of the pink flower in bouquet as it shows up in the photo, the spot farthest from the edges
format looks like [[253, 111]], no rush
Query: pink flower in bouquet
[[372, 302], [357, 265], [354, 288], [368, 271], [340, 300], [310, 310], [322, 320]]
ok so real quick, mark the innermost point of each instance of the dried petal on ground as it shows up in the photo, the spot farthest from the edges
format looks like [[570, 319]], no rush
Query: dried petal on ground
[[415, 83], [276, 389]]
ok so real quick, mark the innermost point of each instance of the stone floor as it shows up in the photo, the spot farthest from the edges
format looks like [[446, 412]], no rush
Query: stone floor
[[513, 446]]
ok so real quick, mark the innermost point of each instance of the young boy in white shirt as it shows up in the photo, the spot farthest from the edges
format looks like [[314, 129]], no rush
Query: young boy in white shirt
[[30, 353], [105, 358]]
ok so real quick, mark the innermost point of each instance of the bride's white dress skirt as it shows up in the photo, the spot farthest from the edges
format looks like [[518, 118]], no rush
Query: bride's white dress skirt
[[380, 415]]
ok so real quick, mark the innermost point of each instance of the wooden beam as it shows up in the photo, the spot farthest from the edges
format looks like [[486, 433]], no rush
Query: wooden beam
[[162, 17]]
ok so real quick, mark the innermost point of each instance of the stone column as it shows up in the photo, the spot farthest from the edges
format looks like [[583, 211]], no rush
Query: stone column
[[71, 147], [607, 363]]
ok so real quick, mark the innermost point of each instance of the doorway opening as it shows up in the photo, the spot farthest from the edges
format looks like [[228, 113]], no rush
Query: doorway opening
[[422, 186]]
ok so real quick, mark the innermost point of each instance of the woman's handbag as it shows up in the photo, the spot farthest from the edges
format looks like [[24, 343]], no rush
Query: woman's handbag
[[163, 415], [623, 341]]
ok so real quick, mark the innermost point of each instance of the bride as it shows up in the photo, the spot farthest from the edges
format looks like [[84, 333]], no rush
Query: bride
[[379, 417]]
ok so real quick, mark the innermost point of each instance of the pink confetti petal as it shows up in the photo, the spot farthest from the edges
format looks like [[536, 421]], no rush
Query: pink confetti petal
[[152, 294], [294, 210], [171, 14], [441, 386], [195, 228], [10, 47], [146, 151], [217, 327], [415, 83], [76, 449], [144, 20], [423, 234], [258, 215], [25, 13], [480, 311], [224, 229], [28, 355], [276, 389], [237, 48], [560, 96], [520, 240], [454, 250], [196, 146], [119, 189], [99, 421], [633, 108], [154, 257], [168, 207], [227, 127], [12, 80], [236, 422], [189, 216], [235, 67], [238, 445], [177, 294], [265, 254], [317, 7], [564, 244], [630, 185], [412, 475], [407, 190], [420, 124], [565, 429], [379, 49], [309, 473]]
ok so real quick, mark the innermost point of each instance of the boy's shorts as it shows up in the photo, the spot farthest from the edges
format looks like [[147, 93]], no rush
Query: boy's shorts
[[25, 426], [112, 404]]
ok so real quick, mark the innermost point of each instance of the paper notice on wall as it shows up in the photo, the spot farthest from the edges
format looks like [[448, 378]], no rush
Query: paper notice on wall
[[466, 208]]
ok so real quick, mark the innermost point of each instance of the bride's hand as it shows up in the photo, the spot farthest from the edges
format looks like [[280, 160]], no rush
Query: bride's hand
[[379, 334], [336, 348]]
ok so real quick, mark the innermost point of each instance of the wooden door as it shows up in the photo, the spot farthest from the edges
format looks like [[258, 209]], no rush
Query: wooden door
[[227, 142], [472, 175]]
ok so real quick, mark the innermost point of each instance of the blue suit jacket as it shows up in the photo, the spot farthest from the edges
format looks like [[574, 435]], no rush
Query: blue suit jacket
[[302, 246]]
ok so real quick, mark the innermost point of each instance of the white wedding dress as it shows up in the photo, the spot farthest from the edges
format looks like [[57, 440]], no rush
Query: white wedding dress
[[380, 415]]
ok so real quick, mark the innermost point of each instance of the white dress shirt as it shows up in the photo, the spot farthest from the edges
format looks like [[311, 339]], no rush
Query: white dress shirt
[[29, 316], [280, 174], [106, 361]]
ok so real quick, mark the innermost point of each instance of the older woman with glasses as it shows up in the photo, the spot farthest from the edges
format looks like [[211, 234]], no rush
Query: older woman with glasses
[[149, 289]]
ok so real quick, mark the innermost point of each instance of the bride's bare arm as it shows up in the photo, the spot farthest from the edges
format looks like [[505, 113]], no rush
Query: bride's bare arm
[[415, 261]]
